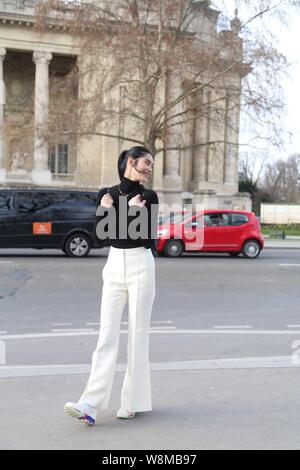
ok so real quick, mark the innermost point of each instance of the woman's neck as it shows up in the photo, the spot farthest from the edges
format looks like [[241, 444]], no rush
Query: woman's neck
[[128, 184], [130, 178]]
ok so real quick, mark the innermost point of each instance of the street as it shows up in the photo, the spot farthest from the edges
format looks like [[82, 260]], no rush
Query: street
[[224, 352]]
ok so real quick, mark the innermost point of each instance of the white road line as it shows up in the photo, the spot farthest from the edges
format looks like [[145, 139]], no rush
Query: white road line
[[287, 265], [66, 333], [232, 326], [3, 332], [126, 323], [293, 326], [162, 328], [71, 330], [7, 371], [62, 324]]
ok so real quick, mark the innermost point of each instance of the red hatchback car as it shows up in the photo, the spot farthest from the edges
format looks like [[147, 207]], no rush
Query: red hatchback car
[[229, 231]]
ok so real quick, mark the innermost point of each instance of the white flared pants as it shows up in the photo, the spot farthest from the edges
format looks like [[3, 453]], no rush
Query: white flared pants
[[128, 276]]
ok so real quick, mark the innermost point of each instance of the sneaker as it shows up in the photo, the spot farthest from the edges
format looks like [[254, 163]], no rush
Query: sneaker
[[125, 414], [83, 411]]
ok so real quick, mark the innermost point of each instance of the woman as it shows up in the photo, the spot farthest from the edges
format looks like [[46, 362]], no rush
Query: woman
[[128, 276]]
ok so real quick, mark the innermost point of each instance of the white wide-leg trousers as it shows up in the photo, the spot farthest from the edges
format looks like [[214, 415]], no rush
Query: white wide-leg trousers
[[128, 276]]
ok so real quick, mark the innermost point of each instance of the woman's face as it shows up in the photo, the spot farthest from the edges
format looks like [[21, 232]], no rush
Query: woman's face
[[143, 167]]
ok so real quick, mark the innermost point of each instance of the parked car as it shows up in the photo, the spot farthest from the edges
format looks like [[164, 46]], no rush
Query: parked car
[[228, 231], [48, 218]]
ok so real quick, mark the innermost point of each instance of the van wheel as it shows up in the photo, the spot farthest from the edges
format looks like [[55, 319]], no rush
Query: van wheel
[[251, 249], [173, 248], [77, 245]]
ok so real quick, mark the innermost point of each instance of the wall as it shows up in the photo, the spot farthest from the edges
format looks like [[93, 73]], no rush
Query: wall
[[280, 214]]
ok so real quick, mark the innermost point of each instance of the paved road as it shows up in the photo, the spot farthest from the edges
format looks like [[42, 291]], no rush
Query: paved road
[[223, 332]]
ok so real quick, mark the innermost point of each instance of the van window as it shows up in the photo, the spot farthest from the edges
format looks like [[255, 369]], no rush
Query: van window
[[80, 202], [5, 203], [32, 202], [39, 202]]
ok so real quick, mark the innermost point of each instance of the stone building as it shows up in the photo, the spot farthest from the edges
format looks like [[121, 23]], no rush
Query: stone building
[[29, 61]]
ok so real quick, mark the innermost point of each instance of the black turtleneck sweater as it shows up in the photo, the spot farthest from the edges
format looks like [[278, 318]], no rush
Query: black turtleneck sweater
[[131, 189]]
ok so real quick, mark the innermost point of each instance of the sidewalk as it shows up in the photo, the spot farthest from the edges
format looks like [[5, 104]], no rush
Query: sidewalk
[[288, 243], [253, 408]]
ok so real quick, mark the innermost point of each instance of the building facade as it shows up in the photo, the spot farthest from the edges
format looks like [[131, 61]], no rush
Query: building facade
[[31, 63]]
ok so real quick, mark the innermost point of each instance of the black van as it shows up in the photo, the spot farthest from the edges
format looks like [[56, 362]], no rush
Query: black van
[[48, 218]]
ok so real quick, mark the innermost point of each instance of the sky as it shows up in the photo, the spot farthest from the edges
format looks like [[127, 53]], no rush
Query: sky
[[288, 42]]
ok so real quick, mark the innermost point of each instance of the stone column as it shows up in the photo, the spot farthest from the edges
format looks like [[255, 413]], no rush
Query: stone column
[[41, 173], [172, 179], [2, 103], [201, 130], [231, 140]]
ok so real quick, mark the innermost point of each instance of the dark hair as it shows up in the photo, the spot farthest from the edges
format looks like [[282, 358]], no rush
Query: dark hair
[[135, 153]]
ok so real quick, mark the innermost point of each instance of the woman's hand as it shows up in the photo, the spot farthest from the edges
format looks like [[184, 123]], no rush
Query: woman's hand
[[137, 201], [107, 201]]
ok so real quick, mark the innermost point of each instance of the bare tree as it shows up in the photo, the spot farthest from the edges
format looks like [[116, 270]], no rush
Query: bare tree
[[153, 64], [251, 166], [282, 180]]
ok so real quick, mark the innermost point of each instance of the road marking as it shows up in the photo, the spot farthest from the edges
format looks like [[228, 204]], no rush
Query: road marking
[[287, 265], [62, 324], [151, 327], [7, 371], [125, 323], [91, 332], [232, 326], [162, 328], [293, 326], [71, 330], [3, 332]]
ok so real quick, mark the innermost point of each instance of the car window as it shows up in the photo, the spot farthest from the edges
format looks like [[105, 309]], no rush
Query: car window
[[5, 199], [238, 219], [216, 220]]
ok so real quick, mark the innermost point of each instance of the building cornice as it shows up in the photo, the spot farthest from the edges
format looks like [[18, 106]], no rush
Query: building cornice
[[27, 21]]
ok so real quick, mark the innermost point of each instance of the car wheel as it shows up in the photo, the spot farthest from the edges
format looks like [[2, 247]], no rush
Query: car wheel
[[77, 245], [173, 248], [251, 249]]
